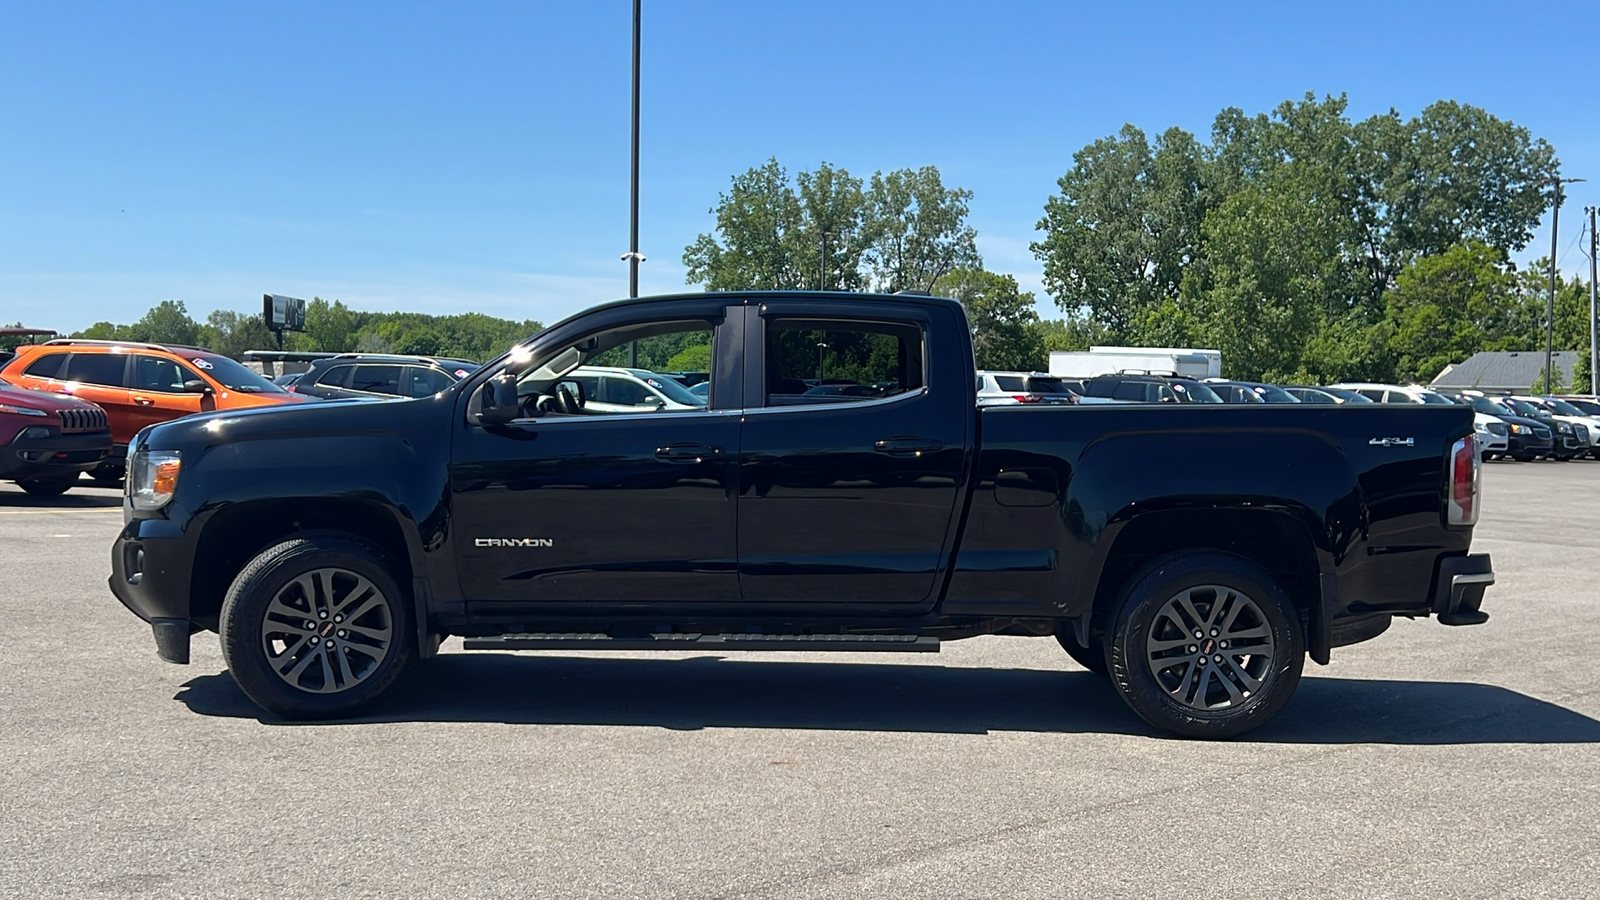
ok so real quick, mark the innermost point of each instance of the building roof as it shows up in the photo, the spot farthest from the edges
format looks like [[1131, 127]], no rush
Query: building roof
[[1505, 370]]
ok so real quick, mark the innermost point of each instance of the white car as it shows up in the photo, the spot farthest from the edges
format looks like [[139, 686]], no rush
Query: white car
[[618, 390], [1494, 436], [1017, 388]]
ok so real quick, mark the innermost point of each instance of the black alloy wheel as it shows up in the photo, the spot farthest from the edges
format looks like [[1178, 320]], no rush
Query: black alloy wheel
[[1206, 645], [316, 627]]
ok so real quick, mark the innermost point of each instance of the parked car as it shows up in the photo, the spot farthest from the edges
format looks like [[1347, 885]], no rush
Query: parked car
[[1584, 425], [139, 384], [1194, 556], [1569, 444], [288, 379], [701, 390], [1306, 394], [1149, 387], [1527, 438], [49, 440], [375, 376], [618, 390], [997, 388], [1344, 395], [1250, 392]]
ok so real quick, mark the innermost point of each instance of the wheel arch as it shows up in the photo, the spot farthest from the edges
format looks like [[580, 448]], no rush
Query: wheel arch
[[237, 533]]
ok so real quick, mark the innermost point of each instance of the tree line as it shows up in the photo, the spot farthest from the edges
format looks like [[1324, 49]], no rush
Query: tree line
[[1305, 245], [329, 327]]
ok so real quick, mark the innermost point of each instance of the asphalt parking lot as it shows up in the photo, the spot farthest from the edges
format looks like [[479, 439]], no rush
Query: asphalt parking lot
[[1432, 762]]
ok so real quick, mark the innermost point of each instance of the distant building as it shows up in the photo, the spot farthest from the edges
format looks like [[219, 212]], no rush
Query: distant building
[[1499, 371]]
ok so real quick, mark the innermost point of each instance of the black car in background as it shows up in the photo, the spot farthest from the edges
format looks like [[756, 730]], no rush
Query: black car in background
[[1307, 394], [380, 376], [1564, 440], [1530, 438], [1149, 387], [1250, 392]]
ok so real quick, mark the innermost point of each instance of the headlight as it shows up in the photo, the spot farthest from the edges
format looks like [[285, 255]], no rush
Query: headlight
[[21, 410], [1518, 429], [153, 478]]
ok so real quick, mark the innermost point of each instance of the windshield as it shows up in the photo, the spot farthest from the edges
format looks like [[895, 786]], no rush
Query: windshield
[[1347, 395], [1274, 394], [1564, 408], [1524, 408], [1434, 397], [1195, 392], [1588, 407], [1485, 405], [672, 388], [233, 376]]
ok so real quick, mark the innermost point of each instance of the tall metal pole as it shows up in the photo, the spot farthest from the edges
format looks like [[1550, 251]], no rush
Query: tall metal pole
[[822, 267], [1550, 311], [1594, 348], [633, 188]]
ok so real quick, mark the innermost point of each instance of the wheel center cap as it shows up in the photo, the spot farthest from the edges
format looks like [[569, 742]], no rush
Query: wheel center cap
[[1208, 647], [327, 629]]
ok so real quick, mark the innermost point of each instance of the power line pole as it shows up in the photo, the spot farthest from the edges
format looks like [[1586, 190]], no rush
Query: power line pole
[[1550, 313], [633, 256], [1594, 349]]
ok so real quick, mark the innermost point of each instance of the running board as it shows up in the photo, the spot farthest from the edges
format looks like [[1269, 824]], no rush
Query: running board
[[849, 643]]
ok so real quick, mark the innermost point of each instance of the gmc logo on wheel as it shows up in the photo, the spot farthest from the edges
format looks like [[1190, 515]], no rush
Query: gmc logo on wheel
[[514, 542]]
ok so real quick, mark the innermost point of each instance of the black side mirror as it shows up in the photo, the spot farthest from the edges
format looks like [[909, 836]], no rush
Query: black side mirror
[[499, 404], [196, 386]]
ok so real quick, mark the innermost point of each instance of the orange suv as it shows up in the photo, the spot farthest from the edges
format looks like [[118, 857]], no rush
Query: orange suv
[[140, 384]]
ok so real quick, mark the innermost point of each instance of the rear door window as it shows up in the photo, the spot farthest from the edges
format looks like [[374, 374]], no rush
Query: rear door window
[[335, 376], [1009, 383], [824, 361], [427, 382], [97, 368]]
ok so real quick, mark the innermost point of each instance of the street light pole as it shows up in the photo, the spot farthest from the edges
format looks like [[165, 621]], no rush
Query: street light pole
[[1550, 312], [1594, 350], [634, 257], [821, 348]]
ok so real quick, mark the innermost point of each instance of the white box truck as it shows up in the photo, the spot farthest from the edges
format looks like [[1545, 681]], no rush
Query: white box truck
[[1183, 361]]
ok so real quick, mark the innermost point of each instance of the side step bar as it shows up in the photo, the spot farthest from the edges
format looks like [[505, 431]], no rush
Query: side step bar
[[849, 643]]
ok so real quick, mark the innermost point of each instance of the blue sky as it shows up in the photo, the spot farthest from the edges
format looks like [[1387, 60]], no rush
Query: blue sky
[[474, 156]]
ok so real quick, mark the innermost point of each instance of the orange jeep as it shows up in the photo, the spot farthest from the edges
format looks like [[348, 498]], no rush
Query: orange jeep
[[140, 384]]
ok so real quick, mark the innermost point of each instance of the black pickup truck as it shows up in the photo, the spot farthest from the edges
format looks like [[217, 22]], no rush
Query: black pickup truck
[[1194, 554]]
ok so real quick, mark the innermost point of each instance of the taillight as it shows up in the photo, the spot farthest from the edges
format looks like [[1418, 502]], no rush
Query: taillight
[[1462, 507], [1027, 398]]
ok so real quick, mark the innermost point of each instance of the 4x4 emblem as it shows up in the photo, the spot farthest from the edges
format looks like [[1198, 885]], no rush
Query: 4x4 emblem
[[1392, 442]]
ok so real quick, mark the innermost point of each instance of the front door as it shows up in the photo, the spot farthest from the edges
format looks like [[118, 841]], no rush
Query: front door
[[157, 393], [851, 468], [577, 505]]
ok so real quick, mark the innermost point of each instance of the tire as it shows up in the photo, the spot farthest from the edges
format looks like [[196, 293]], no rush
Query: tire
[[1524, 457], [50, 486], [1092, 658], [1209, 590], [284, 665]]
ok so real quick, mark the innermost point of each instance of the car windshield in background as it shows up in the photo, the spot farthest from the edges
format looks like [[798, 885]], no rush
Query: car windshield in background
[[673, 389], [1485, 405], [1274, 394], [1437, 399], [1524, 408], [1564, 408], [1585, 407], [235, 377], [1198, 393], [1347, 395]]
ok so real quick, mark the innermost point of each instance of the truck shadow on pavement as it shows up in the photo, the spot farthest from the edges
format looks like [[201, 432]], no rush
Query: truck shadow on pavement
[[713, 692], [95, 499]]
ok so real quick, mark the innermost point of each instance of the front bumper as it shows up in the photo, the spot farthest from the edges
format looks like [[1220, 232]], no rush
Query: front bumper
[[150, 570], [1458, 589], [58, 454], [1529, 445]]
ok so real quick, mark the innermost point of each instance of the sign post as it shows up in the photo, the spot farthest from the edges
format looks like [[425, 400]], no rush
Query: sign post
[[283, 314]]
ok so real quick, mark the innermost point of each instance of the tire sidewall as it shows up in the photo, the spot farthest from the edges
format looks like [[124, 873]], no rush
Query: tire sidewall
[[1144, 598], [244, 609]]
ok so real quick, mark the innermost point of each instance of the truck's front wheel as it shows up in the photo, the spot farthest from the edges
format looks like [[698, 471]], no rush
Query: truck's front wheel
[[316, 628], [1206, 645]]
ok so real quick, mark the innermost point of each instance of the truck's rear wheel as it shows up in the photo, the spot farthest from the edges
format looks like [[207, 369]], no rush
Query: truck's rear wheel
[[49, 486], [316, 628], [1092, 657], [1205, 645]]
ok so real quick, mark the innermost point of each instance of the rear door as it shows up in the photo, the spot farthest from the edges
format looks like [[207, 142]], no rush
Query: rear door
[[102, 378], [850, 498]]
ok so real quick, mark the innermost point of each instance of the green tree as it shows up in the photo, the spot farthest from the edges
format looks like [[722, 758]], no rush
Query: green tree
[[167, 322], [917, 230], [232, 333], [1005, 333], [1444, 308], [762, 245]]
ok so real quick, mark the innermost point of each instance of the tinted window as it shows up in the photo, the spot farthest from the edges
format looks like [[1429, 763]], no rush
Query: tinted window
[[1130, 390], [1400, 397], [624, 392], [427, 382], [46, 366], [1047, 386], [152, 373], [1011, 383], [376, 380], [97, 368], [885, 358], [335, 376]]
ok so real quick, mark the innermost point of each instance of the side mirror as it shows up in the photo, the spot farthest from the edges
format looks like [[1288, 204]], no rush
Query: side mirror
[[499, 404], [196, 386]]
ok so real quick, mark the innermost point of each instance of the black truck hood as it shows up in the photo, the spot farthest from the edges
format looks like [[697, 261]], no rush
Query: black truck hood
[[323, 419]]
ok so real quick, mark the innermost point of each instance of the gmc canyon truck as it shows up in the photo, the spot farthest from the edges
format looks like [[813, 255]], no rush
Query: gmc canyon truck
[[1193, 554]]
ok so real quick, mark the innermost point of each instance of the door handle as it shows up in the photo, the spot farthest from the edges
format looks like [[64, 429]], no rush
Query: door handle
[[687, 453], [906, 446], [143, 401]]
